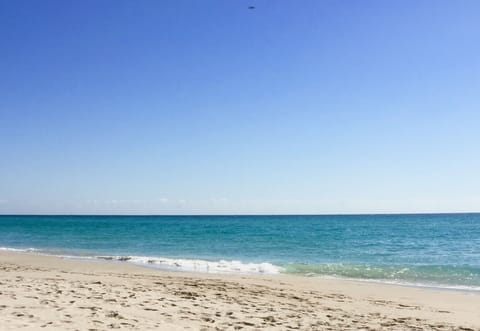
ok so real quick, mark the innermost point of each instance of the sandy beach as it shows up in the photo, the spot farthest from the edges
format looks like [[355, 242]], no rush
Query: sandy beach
[[51, 293]]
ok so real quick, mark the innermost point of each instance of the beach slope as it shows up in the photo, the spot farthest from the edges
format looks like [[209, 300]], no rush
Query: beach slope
[[51, 293]]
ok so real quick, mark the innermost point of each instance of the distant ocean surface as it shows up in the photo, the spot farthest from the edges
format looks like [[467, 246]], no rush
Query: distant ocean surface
[[439, 250]]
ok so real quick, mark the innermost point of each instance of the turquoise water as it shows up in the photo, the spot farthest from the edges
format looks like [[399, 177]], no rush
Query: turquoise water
[[440, 250]]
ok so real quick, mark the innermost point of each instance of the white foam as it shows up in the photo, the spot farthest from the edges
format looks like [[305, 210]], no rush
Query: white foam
[[190, 265], [465, 288], [9, 249], [204, 266]]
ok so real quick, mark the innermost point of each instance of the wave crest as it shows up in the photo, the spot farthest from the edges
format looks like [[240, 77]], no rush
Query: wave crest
[[195, 265]]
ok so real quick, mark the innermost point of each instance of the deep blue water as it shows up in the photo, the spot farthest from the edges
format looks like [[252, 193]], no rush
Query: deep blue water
[[429, 249]]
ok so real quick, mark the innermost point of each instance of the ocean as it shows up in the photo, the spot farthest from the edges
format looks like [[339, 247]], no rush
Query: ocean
[[433, 250]]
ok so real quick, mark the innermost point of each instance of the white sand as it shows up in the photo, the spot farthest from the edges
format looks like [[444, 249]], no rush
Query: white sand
[[50, 293]]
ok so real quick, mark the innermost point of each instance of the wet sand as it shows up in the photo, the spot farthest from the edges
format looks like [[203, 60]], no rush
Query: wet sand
[[51, 293]]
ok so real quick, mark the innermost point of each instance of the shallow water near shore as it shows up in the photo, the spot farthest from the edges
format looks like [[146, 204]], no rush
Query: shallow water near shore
[[439, 250]]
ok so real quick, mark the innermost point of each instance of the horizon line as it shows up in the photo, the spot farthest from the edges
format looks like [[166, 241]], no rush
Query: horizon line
[[255, 214]]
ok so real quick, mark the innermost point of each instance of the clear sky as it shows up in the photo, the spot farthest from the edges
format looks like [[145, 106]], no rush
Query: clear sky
[[175, 107]]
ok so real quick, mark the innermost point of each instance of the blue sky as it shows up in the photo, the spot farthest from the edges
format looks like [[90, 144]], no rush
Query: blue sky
[[181, 107]]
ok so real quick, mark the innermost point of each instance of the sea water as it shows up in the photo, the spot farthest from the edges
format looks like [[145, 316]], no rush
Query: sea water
[[440, 250]]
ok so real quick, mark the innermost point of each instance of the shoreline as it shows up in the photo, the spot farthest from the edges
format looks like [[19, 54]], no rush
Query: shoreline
[[79, 294], [130, 259]]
